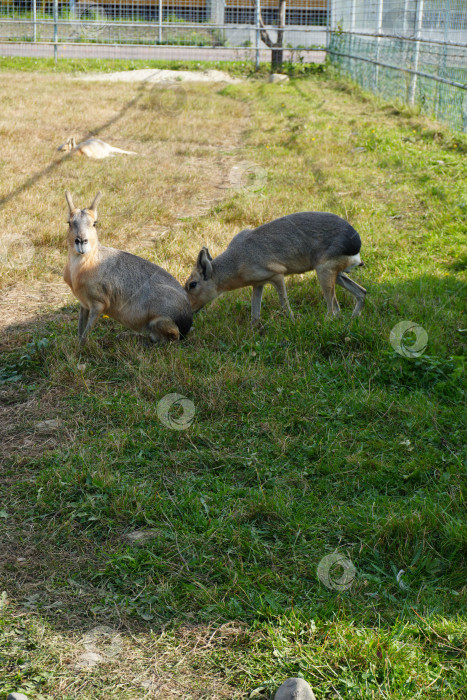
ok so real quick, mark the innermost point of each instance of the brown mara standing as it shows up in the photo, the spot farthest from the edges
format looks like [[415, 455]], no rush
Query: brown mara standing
[[129, 289]]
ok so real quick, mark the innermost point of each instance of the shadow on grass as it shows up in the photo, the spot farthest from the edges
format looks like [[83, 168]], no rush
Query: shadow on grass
[[33, 179], [218, 508]]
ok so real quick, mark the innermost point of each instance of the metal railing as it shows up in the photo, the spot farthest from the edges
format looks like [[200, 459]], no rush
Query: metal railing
[[161, 28], [411, 50]]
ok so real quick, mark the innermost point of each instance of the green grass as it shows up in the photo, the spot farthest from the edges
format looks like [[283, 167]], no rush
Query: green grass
[[99, 65], [437, 99], [308, 439]]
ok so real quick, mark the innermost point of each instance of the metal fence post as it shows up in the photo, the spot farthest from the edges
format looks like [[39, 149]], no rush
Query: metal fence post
[[160, 21], [257, 32], [378, 40], [328, 23], [416, 56], [406, 16], [443, 64], [352, 15], [55, 30], [34, 21]]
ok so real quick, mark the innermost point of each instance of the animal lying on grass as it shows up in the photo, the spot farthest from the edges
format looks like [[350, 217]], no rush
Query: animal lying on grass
[[129, 289], [292, 244], [92, 148]]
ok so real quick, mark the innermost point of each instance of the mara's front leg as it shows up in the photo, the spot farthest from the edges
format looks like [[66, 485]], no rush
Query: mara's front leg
[[93, 316], [256, 304], [82, 320]]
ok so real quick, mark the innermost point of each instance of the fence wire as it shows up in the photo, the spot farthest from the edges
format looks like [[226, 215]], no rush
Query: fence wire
[[211, 29], [411, 50]]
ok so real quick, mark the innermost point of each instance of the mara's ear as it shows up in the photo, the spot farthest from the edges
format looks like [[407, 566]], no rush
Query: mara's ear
[[69, 200], [204, 263], [72, 142], [93, 207]]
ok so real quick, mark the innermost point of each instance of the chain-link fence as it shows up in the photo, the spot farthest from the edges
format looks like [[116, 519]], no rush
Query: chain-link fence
[[411, 50], [185, 29]]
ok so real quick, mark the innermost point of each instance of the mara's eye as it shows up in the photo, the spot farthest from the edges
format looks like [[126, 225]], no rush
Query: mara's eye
[[85, 241], [95, 223], [193, 285], [77, 241]]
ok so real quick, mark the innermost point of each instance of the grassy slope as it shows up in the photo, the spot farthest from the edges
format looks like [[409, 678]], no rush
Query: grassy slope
[[308, 438]]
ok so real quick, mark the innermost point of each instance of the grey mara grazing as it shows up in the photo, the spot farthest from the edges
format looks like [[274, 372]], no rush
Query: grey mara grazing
[[290, 245], [134, 291]]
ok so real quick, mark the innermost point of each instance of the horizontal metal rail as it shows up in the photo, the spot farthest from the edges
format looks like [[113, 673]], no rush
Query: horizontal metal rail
[[116, 24], [403, 38], [188, 47]]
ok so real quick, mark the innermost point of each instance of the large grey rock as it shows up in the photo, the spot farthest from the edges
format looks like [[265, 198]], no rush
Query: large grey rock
[[278, 78], [16, 696], [294, 689]]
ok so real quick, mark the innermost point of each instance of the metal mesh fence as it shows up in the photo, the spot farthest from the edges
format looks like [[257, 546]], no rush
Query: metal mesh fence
[[211, 29], [411, 50]]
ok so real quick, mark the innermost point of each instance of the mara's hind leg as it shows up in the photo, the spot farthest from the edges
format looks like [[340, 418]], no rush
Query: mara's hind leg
[[279, 284], [327, 280], [355, 289], [163, 329]]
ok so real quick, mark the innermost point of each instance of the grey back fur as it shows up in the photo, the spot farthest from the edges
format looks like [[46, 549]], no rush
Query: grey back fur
[[292, 244]]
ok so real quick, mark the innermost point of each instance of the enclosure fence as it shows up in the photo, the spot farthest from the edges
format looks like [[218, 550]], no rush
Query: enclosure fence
[[196, 29], [411, 50]]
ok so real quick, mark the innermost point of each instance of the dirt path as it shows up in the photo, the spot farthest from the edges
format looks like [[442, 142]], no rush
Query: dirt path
[[153, 75]]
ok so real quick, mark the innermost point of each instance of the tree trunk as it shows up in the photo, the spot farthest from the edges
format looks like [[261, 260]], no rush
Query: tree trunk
[[276, 59], [277, 51], [277, 54]]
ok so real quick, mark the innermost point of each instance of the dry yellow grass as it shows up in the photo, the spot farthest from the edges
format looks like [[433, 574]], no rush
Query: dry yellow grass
[[188, 137]]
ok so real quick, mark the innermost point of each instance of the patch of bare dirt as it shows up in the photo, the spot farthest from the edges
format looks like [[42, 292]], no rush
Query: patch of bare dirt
[[154, 75], [29, 424], [23, 303]]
